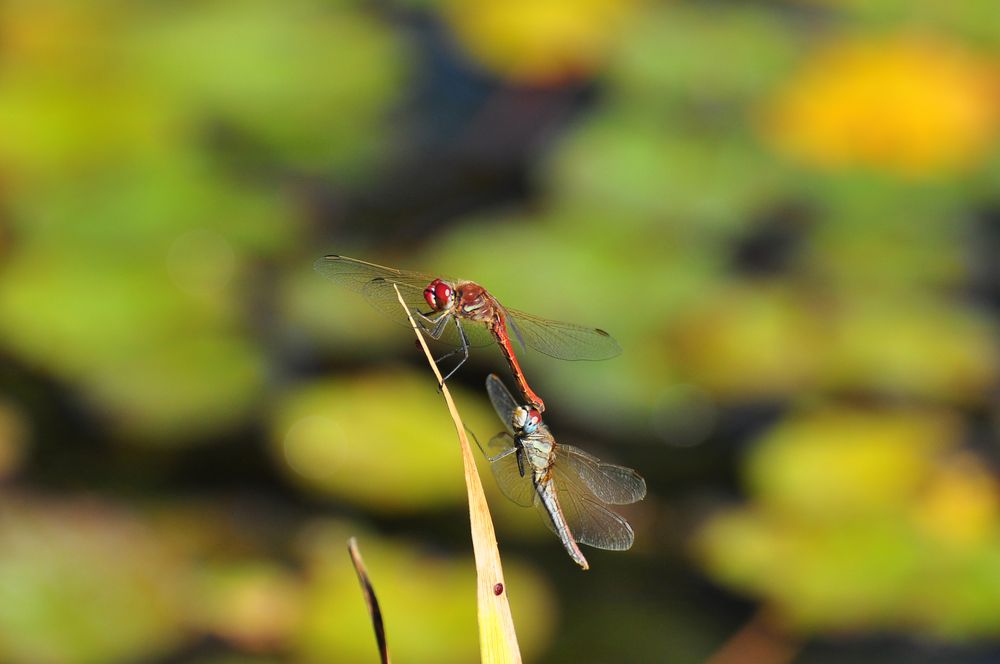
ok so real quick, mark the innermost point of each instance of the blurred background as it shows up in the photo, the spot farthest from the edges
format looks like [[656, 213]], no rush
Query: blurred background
[[786, 211]]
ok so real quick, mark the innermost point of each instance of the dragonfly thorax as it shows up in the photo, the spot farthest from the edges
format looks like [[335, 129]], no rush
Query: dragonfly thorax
[[539, 450]]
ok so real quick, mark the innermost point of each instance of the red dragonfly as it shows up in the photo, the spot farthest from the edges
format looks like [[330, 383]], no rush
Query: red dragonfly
[[464, 314]]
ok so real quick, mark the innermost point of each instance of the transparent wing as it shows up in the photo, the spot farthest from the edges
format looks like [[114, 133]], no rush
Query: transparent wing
[[518, 488], [589, 521], [563, 341], [502, 400], [477, 334], [498, 444], [614, 485], [381, 294], [354, 274], [376, 283]]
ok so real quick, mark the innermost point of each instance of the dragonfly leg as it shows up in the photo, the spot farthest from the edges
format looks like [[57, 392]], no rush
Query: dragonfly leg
[[433, 326], [440, 324], [506, 438], [437, 360], [464, 349], [503, 454]]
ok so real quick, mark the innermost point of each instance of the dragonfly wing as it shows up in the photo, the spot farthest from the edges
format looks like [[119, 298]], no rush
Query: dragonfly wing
[[516, 332], [355, 275], [499, 444], [519, 488], [376, 283], [589, 521], [502, 400], [477, 334], [563, 341], [381, 294], [614, 485]]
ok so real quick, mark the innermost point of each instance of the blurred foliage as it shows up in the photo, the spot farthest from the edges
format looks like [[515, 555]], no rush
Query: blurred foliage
[[971, 20], [430, 614], [866, 519], [335, 438], [778, 341], [140, 199], [255, 604], [70, 571], [164, 586], [252, 69], [539, 41], [234, 659], [786, 212], [910, 105], [264, 71], [662, 70], [13, 438]]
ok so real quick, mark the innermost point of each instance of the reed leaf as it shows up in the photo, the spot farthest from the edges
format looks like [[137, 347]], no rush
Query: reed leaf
[[497, 638]]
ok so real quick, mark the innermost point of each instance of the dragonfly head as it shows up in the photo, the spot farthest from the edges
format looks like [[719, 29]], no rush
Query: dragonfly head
[[439, 295], [526, 420]]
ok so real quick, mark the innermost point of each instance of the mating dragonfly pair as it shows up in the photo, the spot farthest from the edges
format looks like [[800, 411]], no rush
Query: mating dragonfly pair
[[570, 488]]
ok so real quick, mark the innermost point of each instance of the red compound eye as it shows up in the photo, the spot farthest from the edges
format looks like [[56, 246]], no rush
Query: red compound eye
[[534, 417], [437, 295]]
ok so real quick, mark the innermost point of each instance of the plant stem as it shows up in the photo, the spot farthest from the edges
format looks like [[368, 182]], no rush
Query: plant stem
[[497, 639]]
